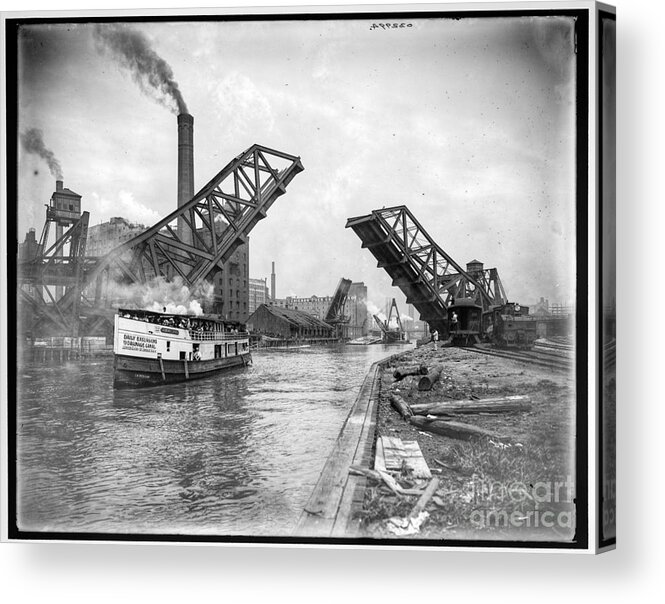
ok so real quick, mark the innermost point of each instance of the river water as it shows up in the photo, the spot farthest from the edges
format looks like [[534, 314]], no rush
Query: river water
[[234, 454]]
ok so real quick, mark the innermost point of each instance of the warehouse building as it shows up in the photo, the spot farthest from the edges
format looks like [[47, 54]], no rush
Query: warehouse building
[[104, 237], [258, 294], [287, 323]]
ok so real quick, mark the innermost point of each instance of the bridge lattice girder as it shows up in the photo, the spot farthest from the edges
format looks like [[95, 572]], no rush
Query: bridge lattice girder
[[58, 268], [218, 220], [429, 278], [393, 306], [335, 313]]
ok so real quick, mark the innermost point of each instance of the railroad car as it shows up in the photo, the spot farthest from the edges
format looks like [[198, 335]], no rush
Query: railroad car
[[510, 326], [464, 321]]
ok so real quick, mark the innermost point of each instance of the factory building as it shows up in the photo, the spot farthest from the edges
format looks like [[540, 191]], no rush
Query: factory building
[[287, 323], [258, 294], [416, 328], [102, 238], [316, 306], [231, 287], [27, 251], [540, 308], [356, 310], [30, 248]]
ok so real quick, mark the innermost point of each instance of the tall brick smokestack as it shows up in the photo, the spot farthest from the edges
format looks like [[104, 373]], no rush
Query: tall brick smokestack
[[272, 283], [185, 169]]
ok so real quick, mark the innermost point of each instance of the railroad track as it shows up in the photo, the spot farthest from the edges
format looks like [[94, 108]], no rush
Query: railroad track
[[559, 356], [540, 358]]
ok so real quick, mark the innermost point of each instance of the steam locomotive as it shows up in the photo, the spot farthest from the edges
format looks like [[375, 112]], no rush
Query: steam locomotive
[[506, 326]]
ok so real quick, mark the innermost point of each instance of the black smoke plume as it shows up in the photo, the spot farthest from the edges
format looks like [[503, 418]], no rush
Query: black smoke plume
[[33, 142], [133, 51]]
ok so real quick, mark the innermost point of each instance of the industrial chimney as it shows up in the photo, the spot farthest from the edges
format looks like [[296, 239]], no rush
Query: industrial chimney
[[185, 170], [272, 283]]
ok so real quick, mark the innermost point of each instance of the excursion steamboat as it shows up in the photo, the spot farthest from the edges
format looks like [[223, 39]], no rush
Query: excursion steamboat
[[152, 348]]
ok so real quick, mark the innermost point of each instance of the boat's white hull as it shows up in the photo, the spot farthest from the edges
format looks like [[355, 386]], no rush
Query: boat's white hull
[[135, 372]]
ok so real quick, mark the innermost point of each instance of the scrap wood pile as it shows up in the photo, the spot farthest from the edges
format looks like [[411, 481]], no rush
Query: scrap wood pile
[[403, 499], [401, 473], [439, 417], [482, 426]]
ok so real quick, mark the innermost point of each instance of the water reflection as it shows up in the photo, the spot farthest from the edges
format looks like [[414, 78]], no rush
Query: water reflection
[[238, 453]]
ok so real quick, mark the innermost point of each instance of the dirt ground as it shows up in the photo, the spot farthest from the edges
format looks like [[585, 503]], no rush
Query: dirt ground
[[518, 489]]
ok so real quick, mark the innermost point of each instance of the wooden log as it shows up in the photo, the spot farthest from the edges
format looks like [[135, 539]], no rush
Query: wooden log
[[504, 404], [401, 405], [387, 479], [401, 372], [425, 497], [456, 430], [427, 381]]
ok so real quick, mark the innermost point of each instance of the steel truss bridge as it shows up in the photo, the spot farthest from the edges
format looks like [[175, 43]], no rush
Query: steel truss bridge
[[429, 278], [65, 292], [335, 313]]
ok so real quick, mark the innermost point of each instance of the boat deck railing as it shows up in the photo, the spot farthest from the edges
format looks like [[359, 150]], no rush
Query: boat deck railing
[[217, 335]]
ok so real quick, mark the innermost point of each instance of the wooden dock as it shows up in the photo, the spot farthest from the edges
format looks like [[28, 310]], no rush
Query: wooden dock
[[337, 494]]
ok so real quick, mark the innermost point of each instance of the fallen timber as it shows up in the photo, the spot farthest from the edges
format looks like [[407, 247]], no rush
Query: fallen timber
[[400, 405], [425, 497], [427, 381], [383, 476], [401, 372], [455, 430], [504, 404]]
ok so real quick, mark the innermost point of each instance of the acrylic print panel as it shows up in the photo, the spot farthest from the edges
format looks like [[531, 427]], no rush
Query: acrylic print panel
[[470, 122], [608, 277]]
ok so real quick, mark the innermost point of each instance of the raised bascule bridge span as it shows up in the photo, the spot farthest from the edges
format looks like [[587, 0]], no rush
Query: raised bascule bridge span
[[192, 242], [428, 276]]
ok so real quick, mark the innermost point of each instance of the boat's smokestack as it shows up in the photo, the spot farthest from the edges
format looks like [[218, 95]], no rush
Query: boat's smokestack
[[185, 170]]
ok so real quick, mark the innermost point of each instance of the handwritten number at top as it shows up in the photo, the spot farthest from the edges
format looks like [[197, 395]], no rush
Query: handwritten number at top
[[389, 25]]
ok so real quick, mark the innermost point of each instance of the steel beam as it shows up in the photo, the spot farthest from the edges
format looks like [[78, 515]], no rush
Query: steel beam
[[428, 276], [220, 216]]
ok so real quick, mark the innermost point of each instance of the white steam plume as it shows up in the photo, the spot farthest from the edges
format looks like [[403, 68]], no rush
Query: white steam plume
[[159, 294]]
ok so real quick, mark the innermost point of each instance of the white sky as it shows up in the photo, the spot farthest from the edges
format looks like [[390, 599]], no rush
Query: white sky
[[470, 123]]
